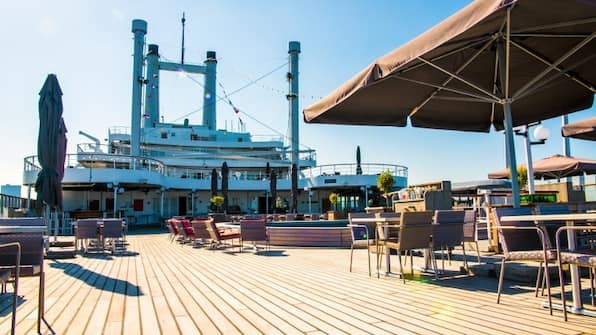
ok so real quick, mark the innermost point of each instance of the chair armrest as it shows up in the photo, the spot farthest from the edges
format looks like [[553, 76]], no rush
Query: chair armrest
[[566, 228]]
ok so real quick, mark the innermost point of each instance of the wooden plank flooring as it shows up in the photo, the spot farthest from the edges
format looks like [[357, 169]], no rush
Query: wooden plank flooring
[[165, 288]]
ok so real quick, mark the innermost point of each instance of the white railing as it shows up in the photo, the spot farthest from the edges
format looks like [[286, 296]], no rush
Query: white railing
[[351, 169]]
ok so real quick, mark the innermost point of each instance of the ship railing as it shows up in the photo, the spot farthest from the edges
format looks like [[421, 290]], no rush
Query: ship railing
[[267, 138], [99, 161], [119, 130], [351, 169]]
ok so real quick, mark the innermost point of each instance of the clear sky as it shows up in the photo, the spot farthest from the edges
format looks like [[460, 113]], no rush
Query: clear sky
[[88, 44]]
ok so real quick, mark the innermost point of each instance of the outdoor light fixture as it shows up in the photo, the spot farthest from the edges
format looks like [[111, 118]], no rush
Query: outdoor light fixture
[[541, 133]]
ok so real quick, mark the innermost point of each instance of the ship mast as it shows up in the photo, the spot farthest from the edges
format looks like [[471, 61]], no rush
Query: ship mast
[[182, 53]]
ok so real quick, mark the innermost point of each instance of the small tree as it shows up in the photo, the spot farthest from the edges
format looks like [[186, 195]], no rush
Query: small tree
[[522, 176], [385, 183], [217, 201], [333, 198]]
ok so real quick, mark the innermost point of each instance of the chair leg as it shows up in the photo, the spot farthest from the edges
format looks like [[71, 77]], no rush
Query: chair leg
[[401, 268], [592, 285], [351, 255], [547, 278], [368, 252], [538, 279], [442, 258], [478, 251], [14, 303], [501, 276], [465, 259], [562, 283], [433, 260]]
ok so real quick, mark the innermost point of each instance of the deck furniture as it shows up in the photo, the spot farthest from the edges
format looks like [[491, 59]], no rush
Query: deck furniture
[[199, 227], [414, 232], [10, 264], [363, 234], [31, 264], [254, 231], [579, 257], [523, 241], [112, 235], [471, 230], [86, 233], [219, 235], [448, 232]]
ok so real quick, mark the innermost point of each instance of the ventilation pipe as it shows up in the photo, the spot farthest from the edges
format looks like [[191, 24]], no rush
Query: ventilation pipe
[[139, 29]]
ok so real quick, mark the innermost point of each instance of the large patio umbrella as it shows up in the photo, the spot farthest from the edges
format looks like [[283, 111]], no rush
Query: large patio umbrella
[[555, 167], [495, 62], [225, 173], [585, 129], [358, 161], [51, 146], [273, 189], [294, 190]]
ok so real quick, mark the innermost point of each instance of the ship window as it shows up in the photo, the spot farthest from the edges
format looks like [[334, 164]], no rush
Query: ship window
[[164, 135], [93, 205], [173, 134], [239, 139]]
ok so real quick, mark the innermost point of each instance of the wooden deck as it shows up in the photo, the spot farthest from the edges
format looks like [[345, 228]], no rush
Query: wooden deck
[[163, 287]]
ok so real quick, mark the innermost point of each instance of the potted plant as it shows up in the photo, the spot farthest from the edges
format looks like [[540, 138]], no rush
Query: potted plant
[[216, 203], [385, 184], [333, 214]]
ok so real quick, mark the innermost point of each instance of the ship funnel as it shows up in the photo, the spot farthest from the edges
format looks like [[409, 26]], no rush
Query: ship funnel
[[210, 94], [139, 29], [294, 51], [151, 115]]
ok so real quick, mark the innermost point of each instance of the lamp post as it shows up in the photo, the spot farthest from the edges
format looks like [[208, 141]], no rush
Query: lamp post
[[307, 189], [541, 133]]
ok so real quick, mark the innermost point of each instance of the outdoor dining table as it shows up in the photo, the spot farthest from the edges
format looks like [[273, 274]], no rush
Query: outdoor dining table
[[22, 229], [382, 221], [574, 269]]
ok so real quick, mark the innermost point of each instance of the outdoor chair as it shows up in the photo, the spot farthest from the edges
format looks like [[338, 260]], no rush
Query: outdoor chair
[[112, 235], [185, 230], [199, 227], [86, 234], [448, 232], [551, 227], [10, 264], [583, 257], [31, 265], [523, 241], [470, 230], [255, 231], [219, 235], [363, 234], [171, 231], [415, 232]]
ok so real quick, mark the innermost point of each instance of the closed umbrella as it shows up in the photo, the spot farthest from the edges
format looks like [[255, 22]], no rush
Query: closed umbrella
[[499, 63], [294, 208], [213, 183], [585, 129], [358, 167], [225, 172], [51, 145], [273, 189], [267, 170]]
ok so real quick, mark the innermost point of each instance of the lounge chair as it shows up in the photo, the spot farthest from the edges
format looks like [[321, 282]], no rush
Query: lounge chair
[[199, 227], [523, 241], [185, 230], [219, 235], [10, 264]]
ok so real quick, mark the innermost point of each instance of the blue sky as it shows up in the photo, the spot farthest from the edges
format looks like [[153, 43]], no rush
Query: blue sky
[[88, 44]]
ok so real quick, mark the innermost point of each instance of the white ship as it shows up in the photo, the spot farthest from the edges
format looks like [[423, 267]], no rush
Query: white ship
[[154, 170]]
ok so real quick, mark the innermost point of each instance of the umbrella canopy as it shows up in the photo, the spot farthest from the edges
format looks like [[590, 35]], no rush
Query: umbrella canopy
[[294, 208], [358, 161], [51, 144], [555, 167], [213, 182], [495, 62], [225, 173], [585, 129], [273, 189], [267, 170]]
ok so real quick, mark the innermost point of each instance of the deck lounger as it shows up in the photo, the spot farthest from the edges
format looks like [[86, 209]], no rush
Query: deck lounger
[[10, 263], [523, 241], [199, 227], [219, 235]]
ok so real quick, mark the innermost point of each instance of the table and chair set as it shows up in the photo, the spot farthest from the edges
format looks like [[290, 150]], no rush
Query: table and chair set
[[546, 234], [100, 235]]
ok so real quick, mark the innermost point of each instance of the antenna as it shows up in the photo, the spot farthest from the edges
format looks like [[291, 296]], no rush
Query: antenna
[[183, 21]]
